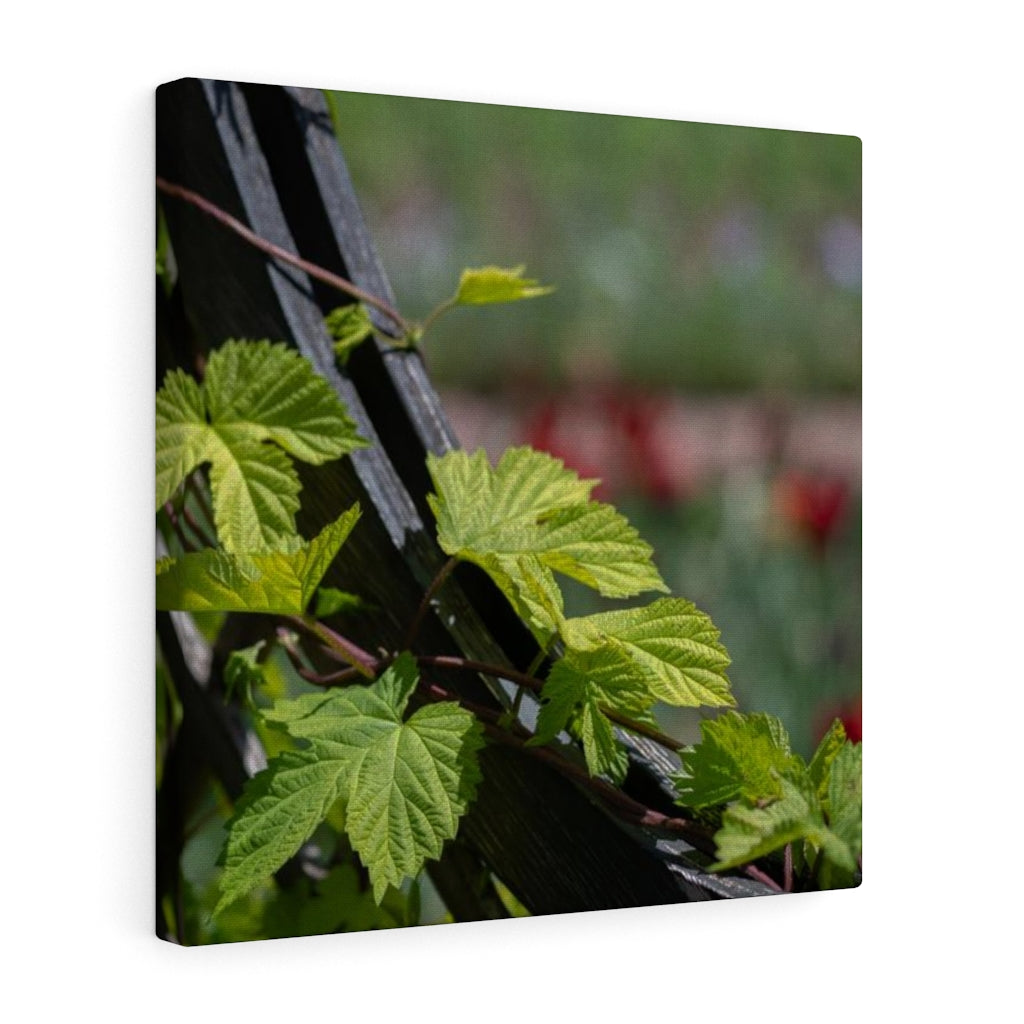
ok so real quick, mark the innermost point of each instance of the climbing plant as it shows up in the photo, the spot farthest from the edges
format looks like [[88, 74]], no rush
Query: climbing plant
[[379, 749]]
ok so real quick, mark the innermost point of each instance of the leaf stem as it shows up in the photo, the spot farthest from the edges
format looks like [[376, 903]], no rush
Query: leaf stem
[[196, 483], [435, 585], [517, 701], [538, 660], [341, 678], [197, 528], [659, 737], [482, 667], [640, 814], [436, 313], [240, 229], [536, 685], [339, 647], [752, 871], [179, 530], [364, 662]]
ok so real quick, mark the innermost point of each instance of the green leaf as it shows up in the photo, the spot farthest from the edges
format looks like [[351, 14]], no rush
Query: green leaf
[[254, 393], [670, 640], [748, 833], [576, 689], [604, 754], [605, 676], [404, 785], [830, 745], [845, 796], [336, 903], [278, 582], [278, 811], [349, 326], [528, 516], [484, 285], [596, 545], [530, 588], [739, 756], [477, 506], [751, 832], [242, 671], [330, 601]]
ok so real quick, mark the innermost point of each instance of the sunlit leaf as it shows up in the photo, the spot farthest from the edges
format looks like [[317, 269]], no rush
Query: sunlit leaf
[[831, 743], [331, 601], [845, 797], [674, 643], [739, 756], [485, 285], [349, 326], [281, 582], [259, 404], [530, 516], [404, 785], [748, 833]]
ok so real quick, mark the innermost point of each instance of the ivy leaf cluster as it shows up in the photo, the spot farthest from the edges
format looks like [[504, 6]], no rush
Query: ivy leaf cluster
[[349, 326], [281, 582], [766, 798], [403, 785], [527, 519], [259, 406], [398, 783]]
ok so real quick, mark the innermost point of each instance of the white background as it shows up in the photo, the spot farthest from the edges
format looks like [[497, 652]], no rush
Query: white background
[[932, 932]]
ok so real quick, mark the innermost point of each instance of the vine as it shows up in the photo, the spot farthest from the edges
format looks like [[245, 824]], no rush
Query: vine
[[397, 774]]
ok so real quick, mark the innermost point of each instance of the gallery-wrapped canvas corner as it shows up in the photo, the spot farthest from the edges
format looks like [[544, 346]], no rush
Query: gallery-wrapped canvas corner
[[531, 586]]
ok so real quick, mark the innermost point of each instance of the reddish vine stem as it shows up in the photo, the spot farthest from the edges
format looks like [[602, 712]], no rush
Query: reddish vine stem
[[628, 808], [339, 647], [196, 487], [435, 585], [342, 678], [197, 528], [482, 667], [179, 530], [535, 685], [268, 247], [632, 810], [516, 735], [754, 872], [450, 661]]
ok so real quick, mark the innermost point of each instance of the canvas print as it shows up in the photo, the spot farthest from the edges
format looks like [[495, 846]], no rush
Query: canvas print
[[508, 478]]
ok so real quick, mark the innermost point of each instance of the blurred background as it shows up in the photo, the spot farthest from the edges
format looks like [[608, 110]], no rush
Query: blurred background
[[701, 354]]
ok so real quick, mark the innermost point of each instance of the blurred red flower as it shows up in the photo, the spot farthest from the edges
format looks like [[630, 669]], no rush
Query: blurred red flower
[[848, 712], [815, 505], [610, 433]]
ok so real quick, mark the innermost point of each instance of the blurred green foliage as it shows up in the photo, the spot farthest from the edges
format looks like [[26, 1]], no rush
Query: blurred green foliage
[[685, 255]]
